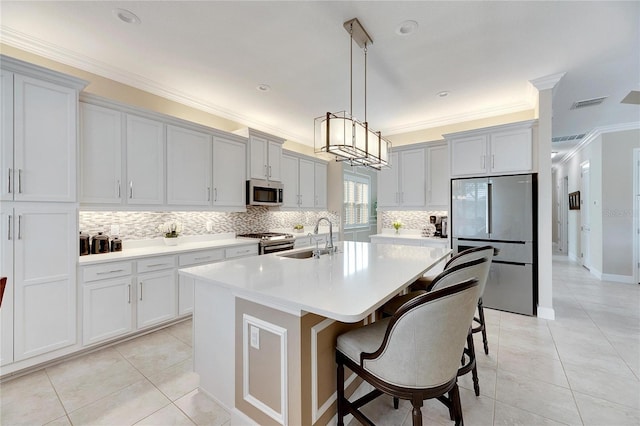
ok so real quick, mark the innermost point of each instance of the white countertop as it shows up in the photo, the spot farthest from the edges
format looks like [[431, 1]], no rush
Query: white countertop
[[155, 247], [409, 234], [346, 286]]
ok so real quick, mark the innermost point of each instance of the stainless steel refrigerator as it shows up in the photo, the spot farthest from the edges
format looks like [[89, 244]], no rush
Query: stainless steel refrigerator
[[500, 211]]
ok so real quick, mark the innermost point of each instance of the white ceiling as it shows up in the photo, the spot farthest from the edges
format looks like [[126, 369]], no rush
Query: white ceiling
[[213, 54]]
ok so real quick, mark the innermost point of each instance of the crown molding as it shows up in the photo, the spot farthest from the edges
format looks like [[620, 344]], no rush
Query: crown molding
[[56, 53], [593, 134], [547, 82]]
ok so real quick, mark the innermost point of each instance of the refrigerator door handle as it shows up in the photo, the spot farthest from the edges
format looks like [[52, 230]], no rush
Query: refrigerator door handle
[[489, 208]]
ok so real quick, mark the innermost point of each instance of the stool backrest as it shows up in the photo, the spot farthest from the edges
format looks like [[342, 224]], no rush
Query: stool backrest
[[472, 254], [476, 269], [425, 337]]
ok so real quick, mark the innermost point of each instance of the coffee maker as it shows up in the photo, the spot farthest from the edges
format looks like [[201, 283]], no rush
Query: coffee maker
[[437, 222]]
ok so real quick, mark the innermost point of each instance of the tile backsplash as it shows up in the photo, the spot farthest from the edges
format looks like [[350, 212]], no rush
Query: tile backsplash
[[144, 224], [409, 219]]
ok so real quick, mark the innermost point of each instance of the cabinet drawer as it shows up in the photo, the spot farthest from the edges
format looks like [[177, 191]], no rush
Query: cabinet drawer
[[241, 251], [204, 256], [156, 264], [106, 270]]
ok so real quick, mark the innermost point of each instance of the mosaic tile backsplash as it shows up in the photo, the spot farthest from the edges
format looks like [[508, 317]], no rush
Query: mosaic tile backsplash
[[144, 225], [409, 219]]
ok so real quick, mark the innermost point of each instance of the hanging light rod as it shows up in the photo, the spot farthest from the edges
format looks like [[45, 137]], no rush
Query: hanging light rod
[[343, 135]]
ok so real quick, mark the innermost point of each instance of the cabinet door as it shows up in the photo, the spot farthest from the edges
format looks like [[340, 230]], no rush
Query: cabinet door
[[156, 297], [6, 135], [321, 185], [6, 270], [106, 310], [145, 161], [258, 168], [185, 295], [275, 159], [229, 173], [438, 177], [469, 156], [45, 255], [307, 183], [188, 167], [388, 193], [412, 178], [290, 182], [100, 155], [44, 141], [511, 151]]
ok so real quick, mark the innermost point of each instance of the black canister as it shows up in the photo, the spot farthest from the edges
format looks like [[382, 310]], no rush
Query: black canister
[[84, 244], [116, 244], [100, 244]]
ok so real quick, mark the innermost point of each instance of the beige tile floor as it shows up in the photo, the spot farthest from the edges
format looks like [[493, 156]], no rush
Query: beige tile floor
[[582, 368]]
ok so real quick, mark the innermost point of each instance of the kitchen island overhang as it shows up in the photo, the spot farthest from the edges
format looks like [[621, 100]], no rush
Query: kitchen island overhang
[[265, 326]]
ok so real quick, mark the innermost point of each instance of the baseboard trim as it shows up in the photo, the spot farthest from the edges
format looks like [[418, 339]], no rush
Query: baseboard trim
[[546, 313], [241, 419], [626, 279]]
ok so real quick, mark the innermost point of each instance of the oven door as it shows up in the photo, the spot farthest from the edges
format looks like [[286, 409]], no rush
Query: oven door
[[274, 248]]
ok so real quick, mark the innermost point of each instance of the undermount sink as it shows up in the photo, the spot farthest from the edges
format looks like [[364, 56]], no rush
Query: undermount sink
[[304, 254]]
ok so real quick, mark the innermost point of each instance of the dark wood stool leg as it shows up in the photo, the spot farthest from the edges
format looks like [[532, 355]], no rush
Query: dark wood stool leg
[[454, 395], [416, 413], [484, 327], [340, 391], [396, 402], [472, 359]]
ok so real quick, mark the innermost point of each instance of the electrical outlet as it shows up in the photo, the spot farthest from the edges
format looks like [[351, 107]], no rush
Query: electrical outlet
[[115, 229], [255, 337], [209, 226]]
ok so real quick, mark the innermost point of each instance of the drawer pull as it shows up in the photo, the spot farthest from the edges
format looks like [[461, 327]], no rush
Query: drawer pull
[[129, 294], [202, 258], [110, 272], [156, 264], [140, 290]]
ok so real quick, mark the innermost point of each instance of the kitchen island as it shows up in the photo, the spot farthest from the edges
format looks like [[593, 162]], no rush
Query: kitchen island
[[265, 326]]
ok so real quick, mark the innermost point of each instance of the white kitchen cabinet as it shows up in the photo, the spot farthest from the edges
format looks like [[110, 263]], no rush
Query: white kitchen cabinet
[[404, 184], [264, 155], [492, 151], [229, 172], [306, 185], [100, 155], [145, 160], [43, 238], [186, 284], [291, 182], [437, 177], [320, 187], [156, 301], [107, 309], [305, 182], [38, 135], [6, 270], [189, 167]]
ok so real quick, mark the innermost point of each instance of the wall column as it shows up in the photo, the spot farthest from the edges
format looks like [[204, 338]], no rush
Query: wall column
[[544, 109]]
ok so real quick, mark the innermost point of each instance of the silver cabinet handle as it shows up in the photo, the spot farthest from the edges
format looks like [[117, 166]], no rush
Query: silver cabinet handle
[[269, 171], [215, 194], [493, 161], [156, 264], [202, 258], [109, 272], [10, 180], [265, 171], [118, 188], [20, 181], [483, 161], [208, 193], [19, 227], [130, 189], [140, 290], [129, 294], [9, 229]]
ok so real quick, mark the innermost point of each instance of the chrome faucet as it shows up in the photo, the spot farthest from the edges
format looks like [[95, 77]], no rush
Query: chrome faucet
[[329, 245]]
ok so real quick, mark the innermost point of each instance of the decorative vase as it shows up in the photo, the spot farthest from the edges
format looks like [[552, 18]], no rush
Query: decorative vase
[[171, 241], [397, 230]]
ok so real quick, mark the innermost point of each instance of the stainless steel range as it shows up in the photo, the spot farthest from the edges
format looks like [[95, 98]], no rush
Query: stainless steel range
[[271, 242]]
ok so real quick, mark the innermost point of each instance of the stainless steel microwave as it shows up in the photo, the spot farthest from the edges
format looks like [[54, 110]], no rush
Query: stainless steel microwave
[[264, 193]]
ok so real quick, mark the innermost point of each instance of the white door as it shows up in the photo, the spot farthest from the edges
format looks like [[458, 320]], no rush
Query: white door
[[6, 135], [321, 185], [290, 181], [585, 216], [412, 178], [106, 309], [229, 164], [510, 151], [388, 192], [145, 161], [307, 183], [564, 216], [100, 155], [275, 158], [44, 141], [45, 255], [7, 237], [469, 156], [636, 171], [258, 168], [188, 167], [156, 297], [438, 177]]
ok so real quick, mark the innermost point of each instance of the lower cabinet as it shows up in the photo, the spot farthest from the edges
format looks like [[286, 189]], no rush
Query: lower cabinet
[[107, 310], [156, 298]]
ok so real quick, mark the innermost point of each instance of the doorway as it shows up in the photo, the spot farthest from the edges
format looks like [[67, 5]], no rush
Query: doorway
[[636, 213], [563, 216], [585, 216]]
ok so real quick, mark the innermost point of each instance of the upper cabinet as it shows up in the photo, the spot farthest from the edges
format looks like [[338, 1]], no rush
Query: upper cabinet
[[39, 128], [403, 185], [492, 151], [437, 176], [264, 155], [131, 157], [305, 182]]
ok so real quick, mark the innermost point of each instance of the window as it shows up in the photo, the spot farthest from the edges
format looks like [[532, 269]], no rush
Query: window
[[356, 201]]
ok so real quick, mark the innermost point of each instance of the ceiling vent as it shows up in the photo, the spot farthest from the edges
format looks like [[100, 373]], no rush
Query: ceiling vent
[[588, 102], [568, 138], [632, 98]]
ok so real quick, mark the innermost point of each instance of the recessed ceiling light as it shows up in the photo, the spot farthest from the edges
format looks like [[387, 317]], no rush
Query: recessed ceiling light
[[443, 94], [126, 16], [263, 87], [406, 27]]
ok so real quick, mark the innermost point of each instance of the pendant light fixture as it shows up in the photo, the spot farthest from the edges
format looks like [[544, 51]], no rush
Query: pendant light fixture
[[340, 133]]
